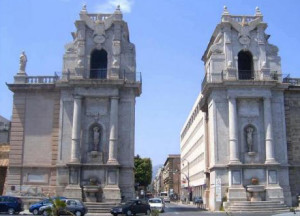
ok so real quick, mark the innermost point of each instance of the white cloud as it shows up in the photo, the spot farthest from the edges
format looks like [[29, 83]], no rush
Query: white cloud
[[110, 6]]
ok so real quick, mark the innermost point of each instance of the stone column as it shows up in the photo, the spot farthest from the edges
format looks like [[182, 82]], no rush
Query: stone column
[[113, 136], [76, 129], [233, 132], [270, 155]]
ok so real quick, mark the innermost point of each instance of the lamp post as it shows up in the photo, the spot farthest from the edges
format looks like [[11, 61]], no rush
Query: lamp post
[[187, 176]]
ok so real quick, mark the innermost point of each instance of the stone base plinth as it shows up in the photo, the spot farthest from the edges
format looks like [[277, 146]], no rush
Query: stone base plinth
[[274, 194], [237, 194], [95, 157], [73, 191], [111, 193], [91, 193]]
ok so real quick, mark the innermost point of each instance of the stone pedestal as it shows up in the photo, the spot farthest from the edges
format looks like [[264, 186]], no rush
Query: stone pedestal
[[256, 192], [91, 193], [73, 191], [274, 194], [231, 74], [111, 193], [237, 194], [95, 157]]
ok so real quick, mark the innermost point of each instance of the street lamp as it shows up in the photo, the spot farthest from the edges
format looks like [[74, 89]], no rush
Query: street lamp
[[187, 176]]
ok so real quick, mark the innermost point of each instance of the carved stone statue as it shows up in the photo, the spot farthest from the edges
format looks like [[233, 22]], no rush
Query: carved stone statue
[[23, 61], [249, 138], [96, 138]]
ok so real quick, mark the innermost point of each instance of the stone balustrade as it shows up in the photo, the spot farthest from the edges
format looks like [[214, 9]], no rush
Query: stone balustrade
[[41, 79], [241, 18], [100, 17]]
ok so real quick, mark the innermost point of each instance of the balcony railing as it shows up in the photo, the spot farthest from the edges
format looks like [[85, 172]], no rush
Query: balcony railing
[[244, 75], [41, 79], [292, 81]]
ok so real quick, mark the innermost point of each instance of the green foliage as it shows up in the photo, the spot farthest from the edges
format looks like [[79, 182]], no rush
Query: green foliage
[[57, 205], [154, 212], [143, 171]]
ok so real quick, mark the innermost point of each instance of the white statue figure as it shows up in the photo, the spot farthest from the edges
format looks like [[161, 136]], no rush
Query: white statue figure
[[96, 131], [249, 138], [23, 61]]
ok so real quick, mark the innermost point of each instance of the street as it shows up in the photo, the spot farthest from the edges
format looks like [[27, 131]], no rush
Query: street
[[175, 209], [189, 210]]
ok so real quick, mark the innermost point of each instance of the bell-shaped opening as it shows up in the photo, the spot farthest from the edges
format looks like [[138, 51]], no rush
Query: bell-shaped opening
[[98, 69], [245, 65]]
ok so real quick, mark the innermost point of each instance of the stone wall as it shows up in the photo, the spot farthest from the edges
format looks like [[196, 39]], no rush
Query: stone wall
[[292, 111]]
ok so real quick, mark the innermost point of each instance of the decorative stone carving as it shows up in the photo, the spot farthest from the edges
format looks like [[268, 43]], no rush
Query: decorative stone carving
[[218, 46], [249, 138], [96, 138], [272, 50], [99, 39], [23, 62], [244, 28]]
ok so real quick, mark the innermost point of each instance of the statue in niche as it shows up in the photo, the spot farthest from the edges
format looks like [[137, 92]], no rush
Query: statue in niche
[[23, 61], [96, 138], [249, 138]]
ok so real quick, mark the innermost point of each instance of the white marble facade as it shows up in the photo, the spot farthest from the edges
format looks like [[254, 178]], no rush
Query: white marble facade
[[88, 131], [242, 99]]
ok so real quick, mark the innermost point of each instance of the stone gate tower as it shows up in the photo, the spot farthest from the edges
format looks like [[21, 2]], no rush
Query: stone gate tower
[[242, 98], [74, 135]]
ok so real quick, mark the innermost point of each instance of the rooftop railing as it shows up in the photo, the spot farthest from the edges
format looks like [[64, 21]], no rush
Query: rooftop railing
[[241, 18], [100, 17], [42, 79], [244, 75], [292, 81]]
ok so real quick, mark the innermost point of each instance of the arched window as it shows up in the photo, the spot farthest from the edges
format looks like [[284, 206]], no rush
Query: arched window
[[95, 137], [245, 65], [98, 69]]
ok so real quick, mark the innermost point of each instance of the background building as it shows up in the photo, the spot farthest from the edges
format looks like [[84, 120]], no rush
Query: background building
[[249, 117], [4, 150], [171, 176], [193, 157], [73, 134]]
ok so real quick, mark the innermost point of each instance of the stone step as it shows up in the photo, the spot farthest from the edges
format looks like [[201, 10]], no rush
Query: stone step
[[258, 206], [99, 207], [255, 202]]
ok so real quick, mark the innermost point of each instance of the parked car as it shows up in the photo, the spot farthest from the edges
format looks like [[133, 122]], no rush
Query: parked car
[[132, 207], [34, 208], [74, 206], [198, 200], [157, 203], [11, 205]]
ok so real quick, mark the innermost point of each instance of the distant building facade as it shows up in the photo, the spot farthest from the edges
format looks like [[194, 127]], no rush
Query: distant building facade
[[248, 117], [4, 150], [74, 135], [193, 157], [171, 175]]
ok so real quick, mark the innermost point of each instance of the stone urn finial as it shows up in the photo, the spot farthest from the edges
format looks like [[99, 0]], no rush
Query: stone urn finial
[[83, 10], [257, 12], [225, 10]]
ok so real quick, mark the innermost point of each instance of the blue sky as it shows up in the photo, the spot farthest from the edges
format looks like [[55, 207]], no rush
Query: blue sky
[[170, 38]]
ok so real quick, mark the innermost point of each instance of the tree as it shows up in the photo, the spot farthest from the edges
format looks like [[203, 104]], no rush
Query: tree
[[143, 171]]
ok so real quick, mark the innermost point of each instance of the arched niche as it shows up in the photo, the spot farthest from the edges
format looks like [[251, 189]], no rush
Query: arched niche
[[98, 64], [245, 65], [95, 138], [251, 139]]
